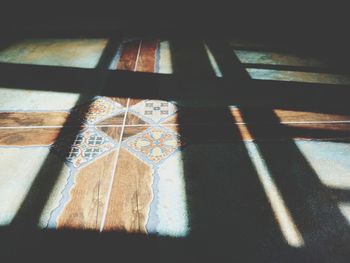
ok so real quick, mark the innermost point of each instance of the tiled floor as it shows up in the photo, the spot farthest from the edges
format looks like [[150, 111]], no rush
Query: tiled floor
[[259, 175]]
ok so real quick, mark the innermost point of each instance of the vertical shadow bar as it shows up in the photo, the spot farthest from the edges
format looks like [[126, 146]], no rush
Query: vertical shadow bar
[[317, 216], [33, 204], [229, 215]]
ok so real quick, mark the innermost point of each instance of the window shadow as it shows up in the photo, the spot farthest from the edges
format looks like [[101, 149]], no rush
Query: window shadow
[[316, 213], [230, 215], [28, 215]]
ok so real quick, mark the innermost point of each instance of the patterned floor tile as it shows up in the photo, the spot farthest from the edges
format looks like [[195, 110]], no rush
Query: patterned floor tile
[[100, 109], [153, 145], [88, 145], [152, 111], [174, 169]]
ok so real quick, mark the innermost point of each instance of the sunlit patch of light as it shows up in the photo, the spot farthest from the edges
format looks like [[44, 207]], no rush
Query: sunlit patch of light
[[345, 210], [282, 214], [213, 61], [164, 63], [80, 53], [36, 100], [19, 168], [170, 212]]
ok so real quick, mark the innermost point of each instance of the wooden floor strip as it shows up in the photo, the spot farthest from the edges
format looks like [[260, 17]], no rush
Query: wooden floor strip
[[28, 137], [88, 195], [131, 195], [147, 59], [128, 55], [18, 119]]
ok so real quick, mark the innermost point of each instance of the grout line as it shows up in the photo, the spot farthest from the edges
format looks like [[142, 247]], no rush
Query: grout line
[[109, 193], [98, 198], [138, 56]]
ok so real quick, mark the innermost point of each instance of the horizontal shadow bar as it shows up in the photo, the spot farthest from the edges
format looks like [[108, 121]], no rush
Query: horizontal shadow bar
[[281, 94]]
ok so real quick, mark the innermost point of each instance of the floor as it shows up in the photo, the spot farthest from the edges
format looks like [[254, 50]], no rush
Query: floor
[[266, 179]]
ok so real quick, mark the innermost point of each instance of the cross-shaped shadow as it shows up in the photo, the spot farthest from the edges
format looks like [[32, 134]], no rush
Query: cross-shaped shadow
[[230, 215]]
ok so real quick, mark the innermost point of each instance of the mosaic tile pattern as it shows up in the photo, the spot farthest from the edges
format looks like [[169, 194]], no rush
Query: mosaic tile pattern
[[98, 110], [87, 146], [154, 145], [154, 111]]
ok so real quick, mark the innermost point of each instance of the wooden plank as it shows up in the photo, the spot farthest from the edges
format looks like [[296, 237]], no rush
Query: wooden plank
[[88, 196], [188, 116], [131, 195], [115, 120], [28, 136], [132, 119], [133, 130], [147, 57], [128, 55], [18, 119]]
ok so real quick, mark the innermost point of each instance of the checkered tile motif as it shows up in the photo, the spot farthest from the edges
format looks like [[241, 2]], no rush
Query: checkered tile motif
[[87, 146]]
